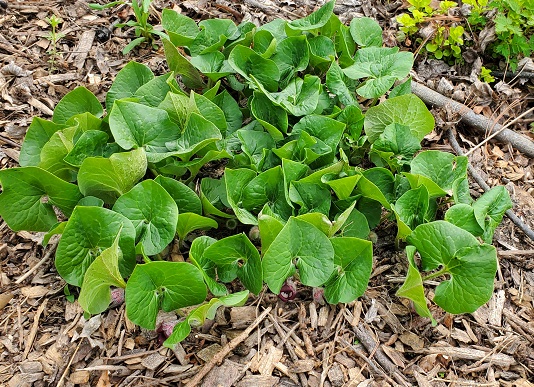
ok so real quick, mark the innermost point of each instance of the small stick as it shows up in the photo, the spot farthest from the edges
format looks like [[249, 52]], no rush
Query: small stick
[[290, 350], [9, 141], [38, 265], [510, 253], [34, 329], [476, 121], [227, 349], [371, 345], [499, 131], [480, 181]]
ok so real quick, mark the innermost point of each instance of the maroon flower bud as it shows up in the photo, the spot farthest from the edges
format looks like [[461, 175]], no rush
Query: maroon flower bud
[[288, 291]]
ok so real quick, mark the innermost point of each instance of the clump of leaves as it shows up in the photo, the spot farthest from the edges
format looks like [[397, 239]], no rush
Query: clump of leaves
[[443, 35], [280, 104], [513, 28]]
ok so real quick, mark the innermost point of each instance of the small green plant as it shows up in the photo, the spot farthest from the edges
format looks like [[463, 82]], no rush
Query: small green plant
[[143, 30], [54, 37], [514, 27], [445, 39], [485, 75], [279, 103]]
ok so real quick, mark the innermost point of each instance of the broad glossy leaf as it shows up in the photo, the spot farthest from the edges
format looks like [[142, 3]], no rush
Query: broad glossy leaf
[[407, 110], [292, 171], [186, 199], [301, 96], [375, 190], [181, 29], [324, 128], [471, 266], [352, 117], [128, 80], [207, 311], [210, 111], [463, 216], [91, 143], [272, 117], [90, 231], [264, 43], [301, 242], [356, 225], [291, 55], [95, 294], [399, 140], [162, 285], [412, 288], [315, 20], [189, 222], [154, 91], [322, 51], [108, 179], [402, 89], [490, 208], [336, 81], [230, 108], [411, 209], [153, 213], [207, 267], [181, 66], [212, 64], [366, 32], [270, 227], [237, 250], [254, 143], [178, 107], [433, 189], [344, 186], [381, 67], [198, 133], [54, 151], [353, 260], [310, 197], [441, 167], [135, 125], [28, 196], [236, 180], [213, 35], [213, 197], [252, 66], [37, 135], [266, 188], [79, 100]]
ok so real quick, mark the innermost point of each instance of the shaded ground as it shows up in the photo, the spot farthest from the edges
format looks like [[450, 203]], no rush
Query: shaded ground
[[375, 341]]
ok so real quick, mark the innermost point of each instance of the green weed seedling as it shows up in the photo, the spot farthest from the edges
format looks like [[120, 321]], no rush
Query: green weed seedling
[[144, 31], [279, 107], [54, 37]]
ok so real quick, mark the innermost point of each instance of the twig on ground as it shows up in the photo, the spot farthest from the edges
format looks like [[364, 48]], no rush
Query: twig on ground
[[499, 131], [284, 340], [227, 349], [34, 329], [9, 141], [372, 346], [38, 264], [480, 181], [476, 121]]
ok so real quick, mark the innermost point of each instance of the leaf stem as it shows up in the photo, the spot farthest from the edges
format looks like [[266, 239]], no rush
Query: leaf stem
[[438, 273]]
